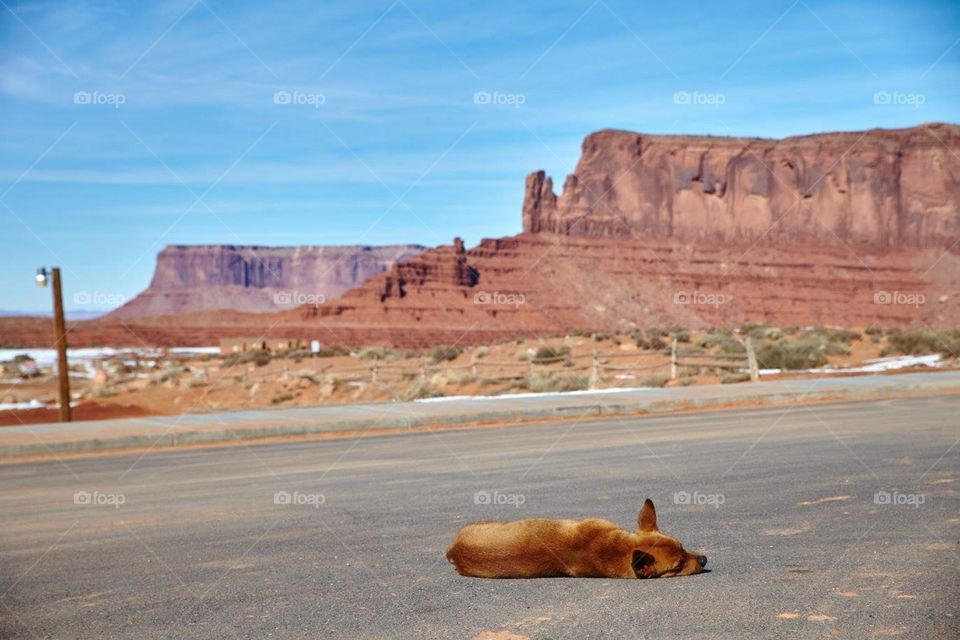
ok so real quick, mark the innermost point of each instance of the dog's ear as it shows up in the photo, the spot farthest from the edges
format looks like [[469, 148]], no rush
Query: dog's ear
[[641, 563], [648, 517]]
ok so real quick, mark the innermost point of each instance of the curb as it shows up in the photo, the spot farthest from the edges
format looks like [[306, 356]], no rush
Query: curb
[[171, 437]]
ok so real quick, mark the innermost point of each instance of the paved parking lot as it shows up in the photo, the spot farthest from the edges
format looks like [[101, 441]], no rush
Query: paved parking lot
[[346, 538]]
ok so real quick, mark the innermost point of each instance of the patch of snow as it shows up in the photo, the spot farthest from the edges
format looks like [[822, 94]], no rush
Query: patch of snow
[[86, 356], [888, 364], [545, 394], [764, 372], [193, 350], [30, 404], [47, 357], [877, 365]]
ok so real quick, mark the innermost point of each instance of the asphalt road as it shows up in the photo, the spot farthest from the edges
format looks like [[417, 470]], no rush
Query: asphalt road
[[193, 544]]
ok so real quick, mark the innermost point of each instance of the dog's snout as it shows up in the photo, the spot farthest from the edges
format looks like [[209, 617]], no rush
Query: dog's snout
[[703, 561]]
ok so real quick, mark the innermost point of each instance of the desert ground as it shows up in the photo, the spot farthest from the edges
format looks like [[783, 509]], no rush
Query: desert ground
[[164, 382]]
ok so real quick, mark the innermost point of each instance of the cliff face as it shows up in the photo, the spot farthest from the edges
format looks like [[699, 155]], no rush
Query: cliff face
[[695, 231], [536, 284], [879, 188], [257, 279]]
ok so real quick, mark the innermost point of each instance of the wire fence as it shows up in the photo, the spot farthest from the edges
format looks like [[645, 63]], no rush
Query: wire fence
[[595, 367]]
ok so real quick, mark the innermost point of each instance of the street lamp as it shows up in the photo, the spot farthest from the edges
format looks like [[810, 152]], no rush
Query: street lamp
[[60, 330]]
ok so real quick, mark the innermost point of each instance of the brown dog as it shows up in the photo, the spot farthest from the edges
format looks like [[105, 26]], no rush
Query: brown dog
[[591, 548]]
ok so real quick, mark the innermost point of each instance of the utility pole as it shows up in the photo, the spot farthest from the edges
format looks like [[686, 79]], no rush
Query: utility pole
[[60, 331]]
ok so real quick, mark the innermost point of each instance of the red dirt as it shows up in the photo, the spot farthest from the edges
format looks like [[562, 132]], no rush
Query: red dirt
[[83, 411]]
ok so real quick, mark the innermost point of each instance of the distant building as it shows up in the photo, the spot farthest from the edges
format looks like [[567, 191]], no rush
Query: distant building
[[28, 368], [242, 345]]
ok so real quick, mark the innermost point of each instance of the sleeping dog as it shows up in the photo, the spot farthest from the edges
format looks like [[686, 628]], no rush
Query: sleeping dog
[[593, 548]]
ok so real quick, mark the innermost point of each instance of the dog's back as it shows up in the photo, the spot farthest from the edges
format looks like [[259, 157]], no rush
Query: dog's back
[[535, 548]]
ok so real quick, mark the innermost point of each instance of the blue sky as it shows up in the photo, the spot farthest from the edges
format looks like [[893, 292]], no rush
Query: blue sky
[[128, 126]]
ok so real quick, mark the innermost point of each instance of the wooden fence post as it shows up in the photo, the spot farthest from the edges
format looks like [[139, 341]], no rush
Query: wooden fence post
[[423, 368], [374, 371], [473, 364], [595, 370], [673, 360], [752, 361]]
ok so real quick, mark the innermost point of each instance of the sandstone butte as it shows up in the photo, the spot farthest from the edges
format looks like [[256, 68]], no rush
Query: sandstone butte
[[844, 229], [257, 279]]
